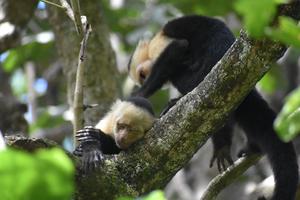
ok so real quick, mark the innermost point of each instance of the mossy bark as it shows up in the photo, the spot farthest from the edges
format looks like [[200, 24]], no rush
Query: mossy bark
[[175, 137]]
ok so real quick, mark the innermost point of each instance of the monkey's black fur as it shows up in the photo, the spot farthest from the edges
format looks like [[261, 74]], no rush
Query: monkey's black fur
[[200, 42], [93, 143]]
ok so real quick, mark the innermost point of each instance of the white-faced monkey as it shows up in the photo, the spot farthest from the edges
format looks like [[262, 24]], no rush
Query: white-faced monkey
[[125, 123], [183, 53]]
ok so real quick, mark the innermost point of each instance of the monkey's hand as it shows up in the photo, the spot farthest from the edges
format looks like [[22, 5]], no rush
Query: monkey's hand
[[83, 136], [92, 157], [221, 156], [88, 134], [89, 148]]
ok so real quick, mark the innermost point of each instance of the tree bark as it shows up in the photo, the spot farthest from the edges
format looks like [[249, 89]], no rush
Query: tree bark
[[175, 137], [101, 75]]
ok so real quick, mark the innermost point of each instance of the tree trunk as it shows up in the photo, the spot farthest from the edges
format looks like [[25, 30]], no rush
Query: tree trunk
[[101, 75]]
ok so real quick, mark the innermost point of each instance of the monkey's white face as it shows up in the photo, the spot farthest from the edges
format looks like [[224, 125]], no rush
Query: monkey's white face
[[144, 56], [139, 63], [131, 124], [126, 123], [126, 134]]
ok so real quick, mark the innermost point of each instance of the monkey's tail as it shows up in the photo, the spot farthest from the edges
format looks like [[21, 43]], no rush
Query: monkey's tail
[[256, 118]]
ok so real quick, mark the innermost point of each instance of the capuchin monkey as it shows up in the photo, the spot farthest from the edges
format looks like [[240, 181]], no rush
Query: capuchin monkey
[[183, 53], [125, 123]]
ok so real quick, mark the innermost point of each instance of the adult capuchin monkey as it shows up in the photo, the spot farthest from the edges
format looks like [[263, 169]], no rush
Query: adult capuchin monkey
[[183, 53]]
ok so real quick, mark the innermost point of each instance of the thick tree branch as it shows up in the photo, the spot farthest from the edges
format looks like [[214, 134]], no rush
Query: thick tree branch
[[16, 14], [176, 136]]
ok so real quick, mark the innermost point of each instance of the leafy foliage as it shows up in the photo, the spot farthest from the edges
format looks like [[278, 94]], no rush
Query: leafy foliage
[[212, 8], [47, 175], [34, 51], [287, 32], [255, 22], [155, 195], [272, 81], [287, 122]]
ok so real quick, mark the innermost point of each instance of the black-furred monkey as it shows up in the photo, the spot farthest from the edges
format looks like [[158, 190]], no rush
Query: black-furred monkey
[[183, 53]]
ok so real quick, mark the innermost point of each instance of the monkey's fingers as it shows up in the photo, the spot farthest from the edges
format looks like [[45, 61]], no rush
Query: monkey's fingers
[[88, 129], [212, 160], [87, 134], [86, 138], [91, 160], [78, 151], [223, 159]]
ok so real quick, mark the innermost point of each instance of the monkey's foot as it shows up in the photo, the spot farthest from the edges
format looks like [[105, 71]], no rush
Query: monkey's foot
[[223, 158]]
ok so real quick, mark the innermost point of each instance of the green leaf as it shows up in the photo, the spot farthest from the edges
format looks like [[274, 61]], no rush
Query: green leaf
[[214, 7], [272, 81], [19, 83], [47, 175], [257, 14], [125, 198], [155, 195], [287, 32], [287, 123], [34, 51]]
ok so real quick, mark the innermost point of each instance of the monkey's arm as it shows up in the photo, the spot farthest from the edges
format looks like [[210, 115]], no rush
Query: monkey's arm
[[93, 145], [163, 67]]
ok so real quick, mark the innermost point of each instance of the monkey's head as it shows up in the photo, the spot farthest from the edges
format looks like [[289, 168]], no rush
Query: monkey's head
[[128, 121], [132, 122], [144, 56]]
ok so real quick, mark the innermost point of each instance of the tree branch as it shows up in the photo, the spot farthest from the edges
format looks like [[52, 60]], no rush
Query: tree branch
[[176, 136], [229, 176], [77, 16], [78, 93]]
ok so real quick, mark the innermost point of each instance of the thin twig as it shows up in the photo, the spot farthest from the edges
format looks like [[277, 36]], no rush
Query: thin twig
[[53, 4], [229, 176], [77, 16], [68, 8], [78, 94]]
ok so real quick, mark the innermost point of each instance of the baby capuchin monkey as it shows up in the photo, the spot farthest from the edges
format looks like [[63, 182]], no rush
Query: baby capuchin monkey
[[125, 123]]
